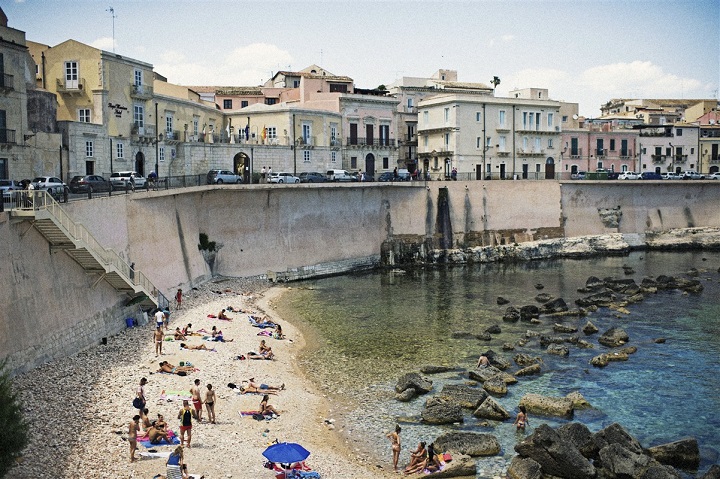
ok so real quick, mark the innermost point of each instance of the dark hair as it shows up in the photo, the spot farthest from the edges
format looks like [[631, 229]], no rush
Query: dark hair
[[197, 381], [209, 386], [143, 380], [136, 417], [397, 428], [145, 411], [182, 345], [422, 443], [265, 398], [522, 409]]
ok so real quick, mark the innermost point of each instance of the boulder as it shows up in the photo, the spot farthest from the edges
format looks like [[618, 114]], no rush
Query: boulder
[[615, 434], [491, 409], [563, 328], [590, 328], [466, 396], [524, 468], [462, 335], [600, 361], [578, 400], [494, 329], [441, 411], [460, 466], [684, 454], [618, 461], [547, 406], [529, 312], [581, 343], [501, 301], [558, 349], [511, 315], [543, 297], [470, 443], [613, 338], [554, 305], [483, 336], [539, 286], [407, 395], [523, 359], [714, 471], [496, 360], [600, 299], [495, 386], [434, 369], [508, 347], [415, 381], [490, 372], [594, 282], [580, 436], [529, 370], [556, 456]]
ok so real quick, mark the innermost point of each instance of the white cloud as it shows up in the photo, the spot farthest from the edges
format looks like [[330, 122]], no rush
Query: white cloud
[[104, 43], [503, 39], [507, 38], [246, 65]]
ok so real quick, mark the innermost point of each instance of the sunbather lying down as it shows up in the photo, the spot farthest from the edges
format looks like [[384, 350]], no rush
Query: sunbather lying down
[[254, 355], [166, 367], [201, 347]]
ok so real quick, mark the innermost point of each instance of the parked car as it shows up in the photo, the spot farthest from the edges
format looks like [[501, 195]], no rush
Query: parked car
[[650, 175], [222, 176], [386, 176], [580, 175], [52, 184], [312, 177], [120, 179], [692, 175], [339, 175], [628, 175], [671, 176], [404, 174], [283, 177], [714, 176], [6, 186], [94, 183]]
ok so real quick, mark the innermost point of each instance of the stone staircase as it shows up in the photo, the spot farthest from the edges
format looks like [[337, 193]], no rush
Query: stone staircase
[[47, 217]]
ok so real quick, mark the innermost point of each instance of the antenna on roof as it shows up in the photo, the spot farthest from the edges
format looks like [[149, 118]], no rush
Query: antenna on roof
[[112, 12]]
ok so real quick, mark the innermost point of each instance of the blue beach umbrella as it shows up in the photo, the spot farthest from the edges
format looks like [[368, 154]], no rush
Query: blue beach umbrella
[[286, 453]]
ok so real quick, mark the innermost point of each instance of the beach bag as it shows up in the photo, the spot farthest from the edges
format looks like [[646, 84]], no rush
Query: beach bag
[[258, 417], [138, 404], [447, 457], [181, 373]]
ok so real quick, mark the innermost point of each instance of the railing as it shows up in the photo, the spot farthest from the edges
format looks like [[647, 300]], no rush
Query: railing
[[7, 81], [174, 135], [7, 136], [658, 158], [360, 141], [666, 133], [143, 92], [39, 200], [680, 158], [576, 154], [62, 86], [305, 141], [600, 152]]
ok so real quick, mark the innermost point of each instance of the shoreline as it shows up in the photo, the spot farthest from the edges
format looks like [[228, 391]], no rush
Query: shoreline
[[80, 406]]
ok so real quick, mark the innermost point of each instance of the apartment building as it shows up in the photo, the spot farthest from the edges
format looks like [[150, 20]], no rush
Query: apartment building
[[668, 148], [490, 137], [709, 141], [29, 141], [598, 145], [657, 111]]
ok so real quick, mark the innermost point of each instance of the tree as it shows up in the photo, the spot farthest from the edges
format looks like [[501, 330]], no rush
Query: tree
[[13, 425]]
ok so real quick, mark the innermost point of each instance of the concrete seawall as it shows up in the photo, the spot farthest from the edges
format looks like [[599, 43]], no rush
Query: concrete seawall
[[53, 308]]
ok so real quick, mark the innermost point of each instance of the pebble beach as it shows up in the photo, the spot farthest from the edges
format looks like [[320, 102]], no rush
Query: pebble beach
[[80, 407]]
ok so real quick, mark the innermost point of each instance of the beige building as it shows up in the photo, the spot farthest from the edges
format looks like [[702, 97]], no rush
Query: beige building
[[490, 137], [29, 141], [668, 148], [709, 141]]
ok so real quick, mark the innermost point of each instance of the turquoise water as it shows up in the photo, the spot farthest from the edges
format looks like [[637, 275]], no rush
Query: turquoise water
[[367, 330]]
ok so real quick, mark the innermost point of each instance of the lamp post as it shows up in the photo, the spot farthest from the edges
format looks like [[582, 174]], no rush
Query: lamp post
[[157, 144], [672, 157]]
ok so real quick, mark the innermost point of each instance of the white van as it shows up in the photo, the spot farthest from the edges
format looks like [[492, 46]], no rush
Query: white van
[[340, 175]]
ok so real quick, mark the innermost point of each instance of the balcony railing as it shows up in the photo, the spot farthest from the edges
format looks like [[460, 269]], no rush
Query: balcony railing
[[305, 141], [530, 151], [715, 159], [658, 158], [600, 152], [173, 135], [7, 82], [70, 87], [680, 158], [575, 154], [624, 155], [665, 133], [141, 92], [7, 136], [359, 141]]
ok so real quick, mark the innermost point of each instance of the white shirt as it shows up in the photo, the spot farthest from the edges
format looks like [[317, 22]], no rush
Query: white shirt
[[160, 318]]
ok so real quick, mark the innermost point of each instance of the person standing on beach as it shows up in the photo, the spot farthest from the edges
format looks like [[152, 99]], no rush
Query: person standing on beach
[[132, 436], [185, 416], [196, 399], [178, 299], [395, 442], [159, 318], [210, 403], [139, 401], [158, 338]]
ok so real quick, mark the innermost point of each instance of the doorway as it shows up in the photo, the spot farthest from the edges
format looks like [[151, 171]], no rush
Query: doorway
[[370, 165], [549, 169], [140, 163], [242, 167]]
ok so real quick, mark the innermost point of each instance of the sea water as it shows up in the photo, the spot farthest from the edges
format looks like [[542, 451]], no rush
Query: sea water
[[365, 331]]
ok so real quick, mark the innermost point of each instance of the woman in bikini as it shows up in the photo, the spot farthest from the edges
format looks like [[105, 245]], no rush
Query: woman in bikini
[[395, 442], [187, 346], [521, 420], [265, 350], [266, 408], [210, 403], [416, 456]]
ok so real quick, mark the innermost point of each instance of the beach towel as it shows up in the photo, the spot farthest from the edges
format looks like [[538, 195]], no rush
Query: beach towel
[[155, 454], [145, 441], [254, 322], [174, 396], [264, 333], [213, 316], [256, 415]]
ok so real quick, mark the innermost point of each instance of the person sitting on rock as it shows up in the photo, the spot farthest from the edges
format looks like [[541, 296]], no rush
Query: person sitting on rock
[[416, 456], [483, 362]]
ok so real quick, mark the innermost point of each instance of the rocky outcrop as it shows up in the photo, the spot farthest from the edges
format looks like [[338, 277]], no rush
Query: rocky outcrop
[[441, 411], [466, 396], [618, 461], [522, 359], [529, 370], [407, 395], [529, 312], [470, 443], [590, 328], [554, 305], [495, 386], [578, 400], [683, 453], [580, 436], [415, 381], [547, 406], [491, 409], [556, 456], [434, 369], [460, 466], [524, 468], [616, 434], [712, 473], [614, 337], [511, 315]]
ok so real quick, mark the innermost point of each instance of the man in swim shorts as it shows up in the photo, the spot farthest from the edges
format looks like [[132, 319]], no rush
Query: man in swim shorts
[[196, 399], [158, 338], [185, 416]]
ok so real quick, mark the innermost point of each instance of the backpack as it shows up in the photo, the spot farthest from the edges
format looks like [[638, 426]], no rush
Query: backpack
[[258, 417]]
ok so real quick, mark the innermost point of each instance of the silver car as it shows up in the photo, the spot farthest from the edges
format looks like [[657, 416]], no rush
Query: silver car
[[121, 178], [283, 177], [52, 184]]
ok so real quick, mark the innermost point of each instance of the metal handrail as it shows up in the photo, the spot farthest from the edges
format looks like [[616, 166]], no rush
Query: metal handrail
[[41, 200]]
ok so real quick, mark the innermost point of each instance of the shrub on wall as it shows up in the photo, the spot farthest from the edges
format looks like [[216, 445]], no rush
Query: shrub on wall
[[205, 244], [13, 425]]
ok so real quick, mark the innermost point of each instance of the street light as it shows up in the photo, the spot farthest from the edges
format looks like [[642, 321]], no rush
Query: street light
[[157, 145]]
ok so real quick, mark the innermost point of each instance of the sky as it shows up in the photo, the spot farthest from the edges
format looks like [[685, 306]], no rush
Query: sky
[[582, 51]]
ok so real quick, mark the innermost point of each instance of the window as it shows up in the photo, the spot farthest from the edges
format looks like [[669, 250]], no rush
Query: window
[[353, 162], [410, 102], [227, 104], [71, 75], [333, 156], [525, 120], [538, 146], [612, 144], [692, 151], [478, 116], [296, 83], [446, 114], [333, 136], [525, 143], [502, 143], [119, 151], [537, 121], [306, 156], [386, 162], [306, 133], [139, 115], [271, 132], [89, 149], [243, 103], [138, 78], [623, 147], [426, 117], [384, 135], [161, 153], [550, 142], [447, 140], [196, 121], [564, 118], [169, 126], [84, 115], [425, 141], [678, 131], [478, 142], [3, 168], [501, 119], [270, 101], [488, 142], [551, 119]]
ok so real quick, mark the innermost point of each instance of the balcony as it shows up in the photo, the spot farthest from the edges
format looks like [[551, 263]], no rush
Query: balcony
[[666, 133], [625, 155], [70, 88], [600, 153], [306, 141], [680, 158], [658, 158], [174, 136], [337, 142], [576, 154], [143, 134], [359, 141], [7, 137], [141, 92], [503, 153], [530, 152], [6, 82], [715, 159]]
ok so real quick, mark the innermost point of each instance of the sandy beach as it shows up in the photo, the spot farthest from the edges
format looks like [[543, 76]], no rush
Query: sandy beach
[[80, 407]]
